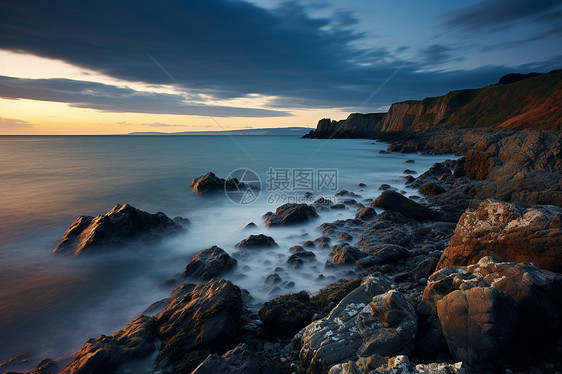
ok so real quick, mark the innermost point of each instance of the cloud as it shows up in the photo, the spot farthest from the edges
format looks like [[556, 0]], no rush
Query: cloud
[[229, 49], [11, 123], [108, 98], [497, 14]]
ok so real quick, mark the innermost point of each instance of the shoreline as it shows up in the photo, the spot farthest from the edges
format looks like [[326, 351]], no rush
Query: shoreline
[[400, 251]]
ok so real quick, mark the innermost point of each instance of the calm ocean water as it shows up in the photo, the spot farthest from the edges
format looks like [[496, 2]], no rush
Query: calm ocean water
[[51, 304]]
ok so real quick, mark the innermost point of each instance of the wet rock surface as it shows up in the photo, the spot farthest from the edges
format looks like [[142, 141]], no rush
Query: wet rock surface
[[289, 214], [121, 225], [210, 183], [209, 263]]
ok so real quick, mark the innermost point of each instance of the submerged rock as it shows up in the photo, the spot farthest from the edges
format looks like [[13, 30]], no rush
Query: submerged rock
[[120, 225], [290, 213], [209, 263], [509, 232], [257, 241]]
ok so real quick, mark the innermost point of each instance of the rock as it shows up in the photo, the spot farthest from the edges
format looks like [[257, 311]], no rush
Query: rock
[[508, 232], [272, 279], [362, 185], [399, 365], [209, 263], [370, 320], [385, 187], [296, 249], [267, 215], [346, 236], [501, 310], [346, 254], [290, 213], [309, 244], [198, 321], [476, 323], [46, 366], [287, 314], [14, 361], [337, 206], [408, 171], [250, 225], [257, 241], [240, 360], [431, 189], [349, 367], [107, 353], [120, 225], [394, 201], [323, 242], [299, 258], [210, 183], [410, 161], [388, 253], [423, 269], [366, 214]]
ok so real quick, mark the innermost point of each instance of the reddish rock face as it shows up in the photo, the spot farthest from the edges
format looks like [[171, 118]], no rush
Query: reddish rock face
[[478, 165], [508, 232]]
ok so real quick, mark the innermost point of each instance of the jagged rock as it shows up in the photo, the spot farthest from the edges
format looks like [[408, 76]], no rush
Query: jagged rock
[[513, 312], [400, 365], [423, 269], [296, 249], [106, 353], [368, 321], [120, 225], [209, 263], [508, 232], [366, 214], [290, 213], [346, 254], [394, 201], [257, 241], [240, 360], [309, 244], [198, 321]]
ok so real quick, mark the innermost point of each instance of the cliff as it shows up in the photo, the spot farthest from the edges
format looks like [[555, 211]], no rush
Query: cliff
[[357, 125], [517, 102]]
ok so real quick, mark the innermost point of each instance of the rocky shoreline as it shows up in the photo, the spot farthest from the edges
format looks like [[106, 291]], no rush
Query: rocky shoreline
[[463, 279]]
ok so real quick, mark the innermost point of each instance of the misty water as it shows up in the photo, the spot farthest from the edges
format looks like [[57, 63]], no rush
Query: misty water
[[50, 304]]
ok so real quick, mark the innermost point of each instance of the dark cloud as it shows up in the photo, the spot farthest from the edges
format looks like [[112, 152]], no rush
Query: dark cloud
[[11, 123], [228, 49], [114, 99], [436, 54], [497, 14]]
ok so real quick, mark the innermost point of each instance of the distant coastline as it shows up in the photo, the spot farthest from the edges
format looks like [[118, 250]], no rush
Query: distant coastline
[[262, 131]]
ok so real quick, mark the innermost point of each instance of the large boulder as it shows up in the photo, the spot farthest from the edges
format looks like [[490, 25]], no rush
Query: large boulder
[[198, 321], [120, 225], [508, 232], [391, 200], [370, 320], [209, 263], [491, 310], [210, 183], [290, 213]]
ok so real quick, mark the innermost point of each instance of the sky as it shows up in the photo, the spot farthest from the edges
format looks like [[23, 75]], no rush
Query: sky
[[114, 67]]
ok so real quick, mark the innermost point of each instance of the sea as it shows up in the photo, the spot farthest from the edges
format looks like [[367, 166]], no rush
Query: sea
[[51, 304]]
